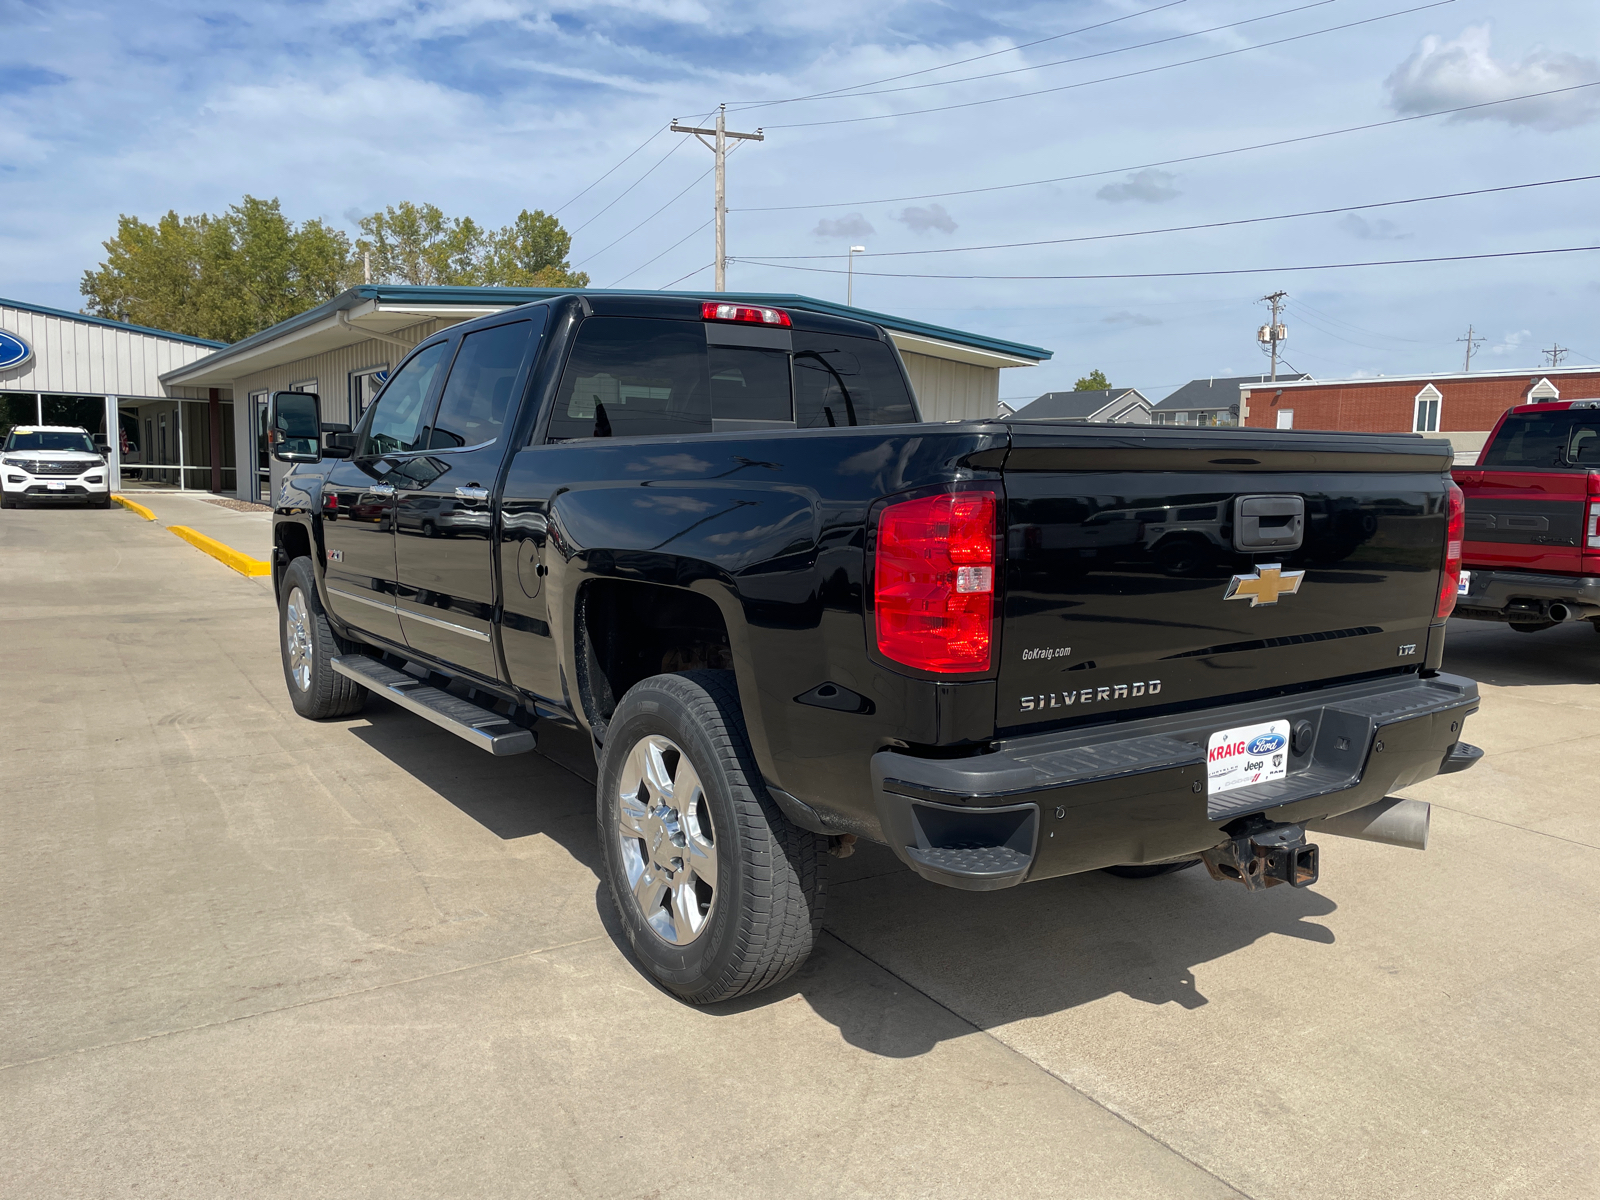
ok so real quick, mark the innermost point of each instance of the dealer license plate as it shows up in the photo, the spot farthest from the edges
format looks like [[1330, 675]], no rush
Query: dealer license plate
[[55, 487], [1465, 585], [1249, 754]]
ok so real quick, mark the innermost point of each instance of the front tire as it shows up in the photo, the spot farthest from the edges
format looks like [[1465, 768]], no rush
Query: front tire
[[718, 893], [308, 645], [7, 500], [100, 501]]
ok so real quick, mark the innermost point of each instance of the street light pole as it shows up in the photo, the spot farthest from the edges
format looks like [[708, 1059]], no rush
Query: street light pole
[[850, 276]]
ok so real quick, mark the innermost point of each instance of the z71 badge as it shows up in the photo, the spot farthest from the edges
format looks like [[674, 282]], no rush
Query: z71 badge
[[1092, 695]]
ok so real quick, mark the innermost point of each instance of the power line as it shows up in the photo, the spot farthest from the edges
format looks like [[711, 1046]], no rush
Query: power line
[[1169, 162], [1303, 309], [668, 250], [1060, 62], [1101, 237], [745, 105], [604, 177], [1067, 87], [651, 217], [630, 187], [691, 274], [1388, 262]]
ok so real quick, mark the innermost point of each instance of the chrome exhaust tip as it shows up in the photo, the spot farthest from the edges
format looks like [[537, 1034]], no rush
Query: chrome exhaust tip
[[1391, 821]]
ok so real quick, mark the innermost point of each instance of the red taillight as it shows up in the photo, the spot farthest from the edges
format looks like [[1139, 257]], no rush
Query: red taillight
[[1455, 531], [750, 314], [933, 582]]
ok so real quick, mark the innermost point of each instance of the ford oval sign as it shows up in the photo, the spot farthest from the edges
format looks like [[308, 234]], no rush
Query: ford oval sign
[[1266, 744], [13, 351]]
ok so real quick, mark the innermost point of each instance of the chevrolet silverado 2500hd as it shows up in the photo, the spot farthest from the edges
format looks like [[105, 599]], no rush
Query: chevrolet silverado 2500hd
[[714, 537]]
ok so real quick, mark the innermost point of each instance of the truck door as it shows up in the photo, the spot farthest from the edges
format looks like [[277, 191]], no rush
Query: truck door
[[358, 499], [444, 516]]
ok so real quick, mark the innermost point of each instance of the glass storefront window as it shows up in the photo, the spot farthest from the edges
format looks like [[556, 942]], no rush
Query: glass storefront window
[[18, 408]]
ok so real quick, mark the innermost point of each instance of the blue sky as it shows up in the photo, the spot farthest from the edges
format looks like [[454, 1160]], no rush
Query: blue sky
[[484, 107]]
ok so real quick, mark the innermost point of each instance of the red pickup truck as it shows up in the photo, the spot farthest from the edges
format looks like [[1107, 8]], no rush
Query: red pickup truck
[[1532, 554]]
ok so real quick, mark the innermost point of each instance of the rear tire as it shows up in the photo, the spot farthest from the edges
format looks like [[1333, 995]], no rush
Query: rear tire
[[1531, 627], [309, 645], [1149, 870], [718, 894]]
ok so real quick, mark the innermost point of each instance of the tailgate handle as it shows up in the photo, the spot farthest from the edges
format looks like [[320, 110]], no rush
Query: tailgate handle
[[1269, 522]]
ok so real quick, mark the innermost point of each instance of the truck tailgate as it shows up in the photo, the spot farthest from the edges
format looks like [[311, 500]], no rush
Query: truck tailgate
[[1121, 560]]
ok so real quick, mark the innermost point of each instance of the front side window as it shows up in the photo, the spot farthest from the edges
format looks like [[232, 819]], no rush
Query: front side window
[[848, 381], [477, 395], [633, 376], [396, 422]]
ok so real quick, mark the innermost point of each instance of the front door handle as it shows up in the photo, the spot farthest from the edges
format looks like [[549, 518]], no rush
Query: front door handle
[[382, 489], [473, 493]]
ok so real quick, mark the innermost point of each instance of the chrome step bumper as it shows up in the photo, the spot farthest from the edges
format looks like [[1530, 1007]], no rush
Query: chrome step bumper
[[485, 729]]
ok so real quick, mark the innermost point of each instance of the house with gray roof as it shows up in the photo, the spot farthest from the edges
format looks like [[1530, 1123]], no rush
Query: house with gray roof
[[1116, 406], [1213, 401]]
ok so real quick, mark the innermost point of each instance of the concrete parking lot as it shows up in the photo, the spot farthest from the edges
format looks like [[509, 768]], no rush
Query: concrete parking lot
[[246, 954]]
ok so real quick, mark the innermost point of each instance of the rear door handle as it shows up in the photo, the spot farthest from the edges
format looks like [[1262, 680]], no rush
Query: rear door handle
[[382, 489], [473, 493]]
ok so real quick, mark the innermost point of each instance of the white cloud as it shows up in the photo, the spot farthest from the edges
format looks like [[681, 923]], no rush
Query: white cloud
[[920, 220], [1151, 186], [1513, 343], [1129, 318], [853, 225], [1377, 229], [1444, 74]]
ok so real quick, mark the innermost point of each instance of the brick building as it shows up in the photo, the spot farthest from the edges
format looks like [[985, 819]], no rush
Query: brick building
[[1463, 408]]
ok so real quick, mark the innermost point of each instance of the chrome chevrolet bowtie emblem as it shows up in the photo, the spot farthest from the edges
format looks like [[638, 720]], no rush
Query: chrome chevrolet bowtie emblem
[[1265, 584]]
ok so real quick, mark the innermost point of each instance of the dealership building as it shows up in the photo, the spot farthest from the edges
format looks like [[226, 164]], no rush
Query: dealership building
[[65, 368], [343, 350]]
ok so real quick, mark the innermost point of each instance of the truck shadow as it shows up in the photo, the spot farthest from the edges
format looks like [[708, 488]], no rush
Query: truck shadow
[[1499, 655], [984, 959]]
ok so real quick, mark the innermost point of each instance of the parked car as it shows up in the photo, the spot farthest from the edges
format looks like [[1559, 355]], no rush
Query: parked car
[[789, 616], [52, 463], [1532, 553]]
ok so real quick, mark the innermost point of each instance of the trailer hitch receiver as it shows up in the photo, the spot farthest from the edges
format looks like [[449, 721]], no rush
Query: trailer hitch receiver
[[1263, 855]]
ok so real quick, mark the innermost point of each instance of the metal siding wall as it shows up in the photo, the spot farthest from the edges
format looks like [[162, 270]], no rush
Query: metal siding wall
[[332, 373], [953, 391], [82, 358]]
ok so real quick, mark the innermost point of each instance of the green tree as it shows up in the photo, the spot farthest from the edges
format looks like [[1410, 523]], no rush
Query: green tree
[[417, 244], [1094, 381], [532, 252], [222, 277]]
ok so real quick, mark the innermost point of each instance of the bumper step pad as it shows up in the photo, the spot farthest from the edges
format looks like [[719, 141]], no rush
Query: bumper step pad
[[484, 728]]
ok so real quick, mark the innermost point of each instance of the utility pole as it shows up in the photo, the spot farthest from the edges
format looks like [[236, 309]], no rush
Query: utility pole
[[1556, 353], [720, 148], [1472, 344], [1271, 335]]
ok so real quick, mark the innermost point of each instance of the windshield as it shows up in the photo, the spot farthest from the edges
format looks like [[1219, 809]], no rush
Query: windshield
[[38, 440], [1563, 438]]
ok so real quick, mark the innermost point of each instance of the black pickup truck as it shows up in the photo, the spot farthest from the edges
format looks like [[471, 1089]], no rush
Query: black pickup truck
[[715, 537]]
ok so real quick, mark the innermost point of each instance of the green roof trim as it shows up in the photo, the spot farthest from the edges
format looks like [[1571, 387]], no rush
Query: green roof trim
[[381, 292]]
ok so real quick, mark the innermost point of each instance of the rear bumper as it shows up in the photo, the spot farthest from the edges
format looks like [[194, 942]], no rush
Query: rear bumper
[[1523, 595], [1135, 792]]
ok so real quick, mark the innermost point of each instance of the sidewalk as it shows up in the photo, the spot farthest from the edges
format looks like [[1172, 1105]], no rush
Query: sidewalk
[[248, 532]]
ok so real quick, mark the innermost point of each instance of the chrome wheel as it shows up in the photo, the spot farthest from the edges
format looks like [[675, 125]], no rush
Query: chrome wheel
[[297, 638], [668, 847]]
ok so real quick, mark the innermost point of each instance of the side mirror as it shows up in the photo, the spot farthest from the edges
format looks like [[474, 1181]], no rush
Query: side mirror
[[338, 445], [101, 444], [294, 425]]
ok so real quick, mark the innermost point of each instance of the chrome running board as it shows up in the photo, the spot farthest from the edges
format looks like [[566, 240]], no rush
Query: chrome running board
[[484, 728]]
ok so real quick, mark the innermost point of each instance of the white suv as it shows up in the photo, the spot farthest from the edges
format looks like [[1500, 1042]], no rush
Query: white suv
[[53, 462]]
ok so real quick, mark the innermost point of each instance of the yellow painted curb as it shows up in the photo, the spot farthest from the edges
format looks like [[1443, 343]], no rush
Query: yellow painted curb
[[132, 507], [241, 563]]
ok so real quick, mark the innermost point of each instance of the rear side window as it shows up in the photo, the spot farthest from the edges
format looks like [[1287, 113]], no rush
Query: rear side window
[[396, 422], [632, 376], [1567, 438], [477, 395], [848, 381]]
